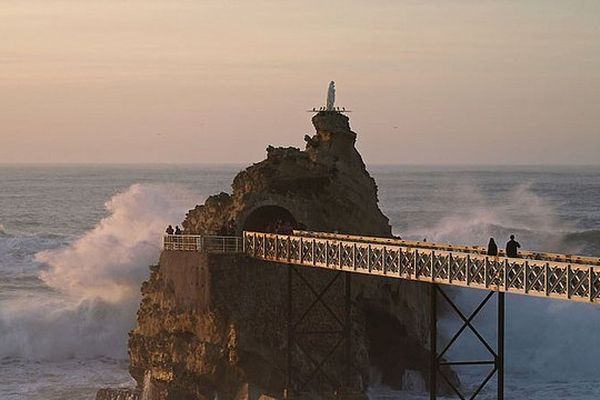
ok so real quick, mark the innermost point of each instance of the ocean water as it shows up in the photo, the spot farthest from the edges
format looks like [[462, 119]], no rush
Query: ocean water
[[76, 242]]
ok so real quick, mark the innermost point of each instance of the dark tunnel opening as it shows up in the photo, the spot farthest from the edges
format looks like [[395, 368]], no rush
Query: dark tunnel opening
[[272, 219]]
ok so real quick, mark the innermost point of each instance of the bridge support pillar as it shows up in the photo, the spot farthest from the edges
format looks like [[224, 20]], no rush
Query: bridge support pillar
[[439, 359], [433, 362], [500, 346]]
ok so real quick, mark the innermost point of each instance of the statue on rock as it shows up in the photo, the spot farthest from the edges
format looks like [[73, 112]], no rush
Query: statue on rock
[[331, 96]]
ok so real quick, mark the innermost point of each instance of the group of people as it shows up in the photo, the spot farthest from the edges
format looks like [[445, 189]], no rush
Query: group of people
[[176, 231], [512, 247], [226, 230], [281, 227], [229, 229]]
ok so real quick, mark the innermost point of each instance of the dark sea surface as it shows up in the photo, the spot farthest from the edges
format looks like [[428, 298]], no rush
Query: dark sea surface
[[76, 242]]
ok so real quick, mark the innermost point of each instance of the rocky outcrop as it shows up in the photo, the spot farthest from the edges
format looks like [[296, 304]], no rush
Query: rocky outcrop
[[215, 325], [325, 187]]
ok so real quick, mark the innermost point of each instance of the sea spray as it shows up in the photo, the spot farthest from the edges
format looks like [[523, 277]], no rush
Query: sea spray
[[111, 260], [477, 217], [94, 281], [545, 338]]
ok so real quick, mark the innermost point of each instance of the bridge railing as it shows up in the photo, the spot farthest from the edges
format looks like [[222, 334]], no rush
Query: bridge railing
[[207, 244], [568, 281], [531, 255]]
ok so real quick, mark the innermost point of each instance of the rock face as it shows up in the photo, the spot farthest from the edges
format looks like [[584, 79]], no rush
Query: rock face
[[214, 326]]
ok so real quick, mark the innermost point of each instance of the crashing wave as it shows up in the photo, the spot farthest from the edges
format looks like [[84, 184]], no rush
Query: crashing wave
[[90, 288]]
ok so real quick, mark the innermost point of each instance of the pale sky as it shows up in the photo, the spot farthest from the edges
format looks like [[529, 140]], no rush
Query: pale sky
[[202, 81]]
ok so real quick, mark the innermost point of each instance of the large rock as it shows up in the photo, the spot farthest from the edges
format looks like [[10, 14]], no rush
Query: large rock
[[215, 325], [326, 187]]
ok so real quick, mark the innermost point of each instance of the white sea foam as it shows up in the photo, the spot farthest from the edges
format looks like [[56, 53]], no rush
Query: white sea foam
[[95, 281], [523, 212]]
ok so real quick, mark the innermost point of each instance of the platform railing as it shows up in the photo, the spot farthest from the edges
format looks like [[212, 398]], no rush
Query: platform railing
[[201, 243], [562, 280], [530, 255]]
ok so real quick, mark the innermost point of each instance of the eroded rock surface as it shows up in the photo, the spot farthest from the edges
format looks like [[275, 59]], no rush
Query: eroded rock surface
[[214, 325]]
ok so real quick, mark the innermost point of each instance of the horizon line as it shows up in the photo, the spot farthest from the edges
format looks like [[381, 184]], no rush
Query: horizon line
[[249, 163]]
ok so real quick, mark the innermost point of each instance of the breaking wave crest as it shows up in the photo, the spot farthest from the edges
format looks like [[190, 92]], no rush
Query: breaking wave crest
[[93, 281], [522, 212], [546, 338]]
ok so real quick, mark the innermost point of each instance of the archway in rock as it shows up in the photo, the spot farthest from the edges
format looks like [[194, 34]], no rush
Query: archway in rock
[[270, 219]]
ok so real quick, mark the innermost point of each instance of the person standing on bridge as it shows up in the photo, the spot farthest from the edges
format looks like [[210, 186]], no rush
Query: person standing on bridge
[[177, 230], [512, 247], [492, 249], [170, 230], [287, 228]]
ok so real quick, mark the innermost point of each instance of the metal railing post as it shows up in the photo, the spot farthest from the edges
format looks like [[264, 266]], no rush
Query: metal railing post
[[568, 282], [468, 268], [591, 283], [432, 266], [525, 277], [416, 264]]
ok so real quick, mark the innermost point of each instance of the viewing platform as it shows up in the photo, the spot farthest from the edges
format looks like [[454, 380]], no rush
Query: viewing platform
[[207, 244]]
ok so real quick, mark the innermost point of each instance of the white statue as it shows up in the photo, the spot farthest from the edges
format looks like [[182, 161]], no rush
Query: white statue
[[331, 96]]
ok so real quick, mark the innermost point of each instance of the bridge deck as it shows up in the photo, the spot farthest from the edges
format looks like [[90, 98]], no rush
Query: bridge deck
[[570, 278]]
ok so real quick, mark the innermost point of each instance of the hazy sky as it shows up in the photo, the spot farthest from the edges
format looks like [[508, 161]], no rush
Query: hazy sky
[[217, 81]]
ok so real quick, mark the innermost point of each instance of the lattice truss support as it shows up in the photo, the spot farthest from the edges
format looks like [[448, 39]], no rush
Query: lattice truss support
[[439, 358], [319, 320]]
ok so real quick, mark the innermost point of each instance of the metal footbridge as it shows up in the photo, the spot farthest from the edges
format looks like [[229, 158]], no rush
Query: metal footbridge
[[560, 276], [549, 275]]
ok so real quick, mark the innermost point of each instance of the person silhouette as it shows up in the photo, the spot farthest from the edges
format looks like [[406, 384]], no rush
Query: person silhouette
[[169, 230], [492, 249], [231, 227], [177, 230], [512, 247]]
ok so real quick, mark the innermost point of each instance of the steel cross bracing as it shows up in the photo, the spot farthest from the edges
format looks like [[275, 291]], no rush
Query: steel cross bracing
[[438, 359], [339, 335], [562, 280]]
